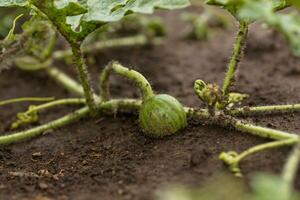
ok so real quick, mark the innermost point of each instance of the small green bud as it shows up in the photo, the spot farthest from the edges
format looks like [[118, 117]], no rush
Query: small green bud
[[210, 94], [235, 97], [162, 115]]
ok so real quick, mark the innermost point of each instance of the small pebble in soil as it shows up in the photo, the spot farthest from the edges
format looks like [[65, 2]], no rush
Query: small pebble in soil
[[36, 155], [43, 185]]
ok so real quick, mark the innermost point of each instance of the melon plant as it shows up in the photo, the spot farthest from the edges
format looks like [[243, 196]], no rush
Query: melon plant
[[159, 114]]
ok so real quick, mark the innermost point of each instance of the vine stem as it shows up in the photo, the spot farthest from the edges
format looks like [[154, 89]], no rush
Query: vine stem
[[269, 145], [73, 101], [218, 119], [132, 104], [132, 75], [24, 135], [137, 40], [26, 99], [84, 77], [67, 119], [129, 104], [289, 171], [233, 159], [262, 131], [236, 58], [243, 126], [245, 111]]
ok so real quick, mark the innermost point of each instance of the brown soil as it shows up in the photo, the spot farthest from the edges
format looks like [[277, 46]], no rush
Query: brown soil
[[109, 158]]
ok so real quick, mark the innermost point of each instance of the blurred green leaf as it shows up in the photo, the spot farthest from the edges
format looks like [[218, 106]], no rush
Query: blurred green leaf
[[295, 3], [271, 187], [11, 3], [81, 17], [202, 26], [231, 6], [288, 24], [224, 187], [221, 187], [78, 18], [234, 6]]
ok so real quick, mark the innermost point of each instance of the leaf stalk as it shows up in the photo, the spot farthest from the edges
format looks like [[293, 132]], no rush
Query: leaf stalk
[[84, 77]]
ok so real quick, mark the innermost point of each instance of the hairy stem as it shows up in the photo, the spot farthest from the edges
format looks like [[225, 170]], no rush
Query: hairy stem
[[84, 77], [111, 43], [119, 104], [265, 110], [262, 131], [132, 75], [236, 58], [48, 9], [290, 169], [104, 83], [26, 99]]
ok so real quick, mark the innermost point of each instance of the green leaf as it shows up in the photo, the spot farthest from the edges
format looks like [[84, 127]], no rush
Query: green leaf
[[70, 7], [114, 10], [78, 18], [219, 187], [263, 187], [234, 6], [11, 3], [271, 187], [294, 3], [231, 6]]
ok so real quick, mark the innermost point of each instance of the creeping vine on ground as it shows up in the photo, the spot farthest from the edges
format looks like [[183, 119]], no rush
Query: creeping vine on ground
[[159, 114]]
